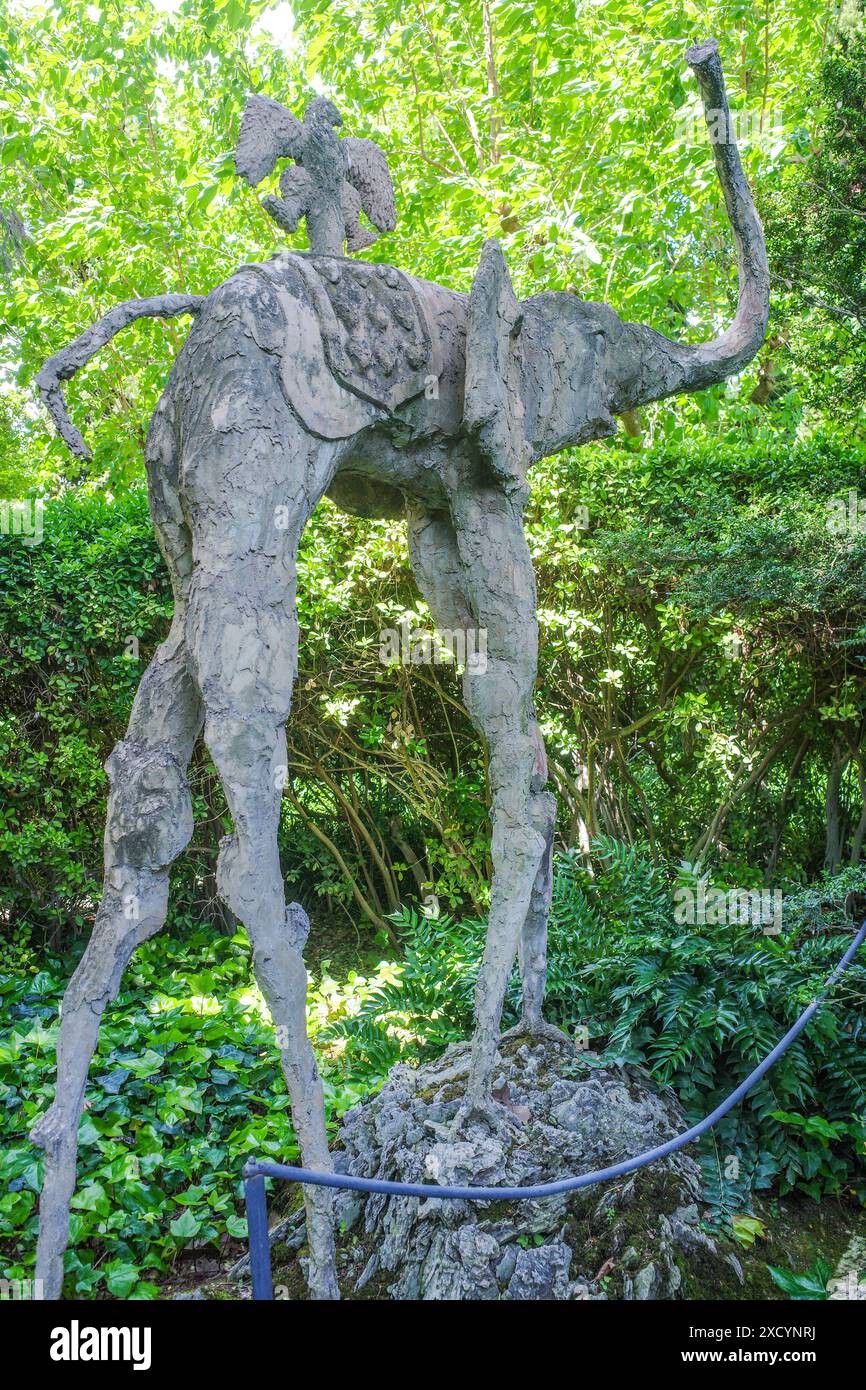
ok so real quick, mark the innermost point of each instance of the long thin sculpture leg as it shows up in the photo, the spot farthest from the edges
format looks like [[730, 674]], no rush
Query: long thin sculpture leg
[[251, 477], [282, 976], [475, 572], [149, 823], [250, 753], [532, 948], [246, 666], [501, 588]]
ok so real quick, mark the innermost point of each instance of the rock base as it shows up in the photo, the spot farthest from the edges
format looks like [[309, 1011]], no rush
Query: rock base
[[637, 1237]]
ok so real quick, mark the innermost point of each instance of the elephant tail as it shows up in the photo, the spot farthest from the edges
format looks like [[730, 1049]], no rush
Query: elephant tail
[[64, 364]]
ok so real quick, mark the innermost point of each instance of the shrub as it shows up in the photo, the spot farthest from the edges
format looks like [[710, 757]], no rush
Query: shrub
[[185, 1085]]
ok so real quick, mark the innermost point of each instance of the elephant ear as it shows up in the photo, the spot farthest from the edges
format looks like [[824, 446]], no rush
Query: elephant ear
[[493, 406]]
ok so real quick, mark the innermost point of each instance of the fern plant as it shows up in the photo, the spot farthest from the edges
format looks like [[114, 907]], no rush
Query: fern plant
[[425, 1004], [698, 1006]]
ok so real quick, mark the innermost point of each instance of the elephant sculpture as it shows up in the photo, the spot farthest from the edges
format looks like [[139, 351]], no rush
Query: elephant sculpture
[[310, 375]]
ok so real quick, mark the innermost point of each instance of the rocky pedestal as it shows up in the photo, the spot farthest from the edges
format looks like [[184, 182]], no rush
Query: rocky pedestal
[[636, 1237]]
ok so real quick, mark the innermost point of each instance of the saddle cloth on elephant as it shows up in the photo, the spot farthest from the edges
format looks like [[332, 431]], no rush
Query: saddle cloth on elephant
[[359, 340]]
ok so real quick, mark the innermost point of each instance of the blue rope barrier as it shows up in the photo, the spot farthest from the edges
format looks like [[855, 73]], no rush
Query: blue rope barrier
[[257, 1170]]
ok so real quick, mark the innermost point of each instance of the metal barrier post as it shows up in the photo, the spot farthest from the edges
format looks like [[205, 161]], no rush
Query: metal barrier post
[[257, 1223]]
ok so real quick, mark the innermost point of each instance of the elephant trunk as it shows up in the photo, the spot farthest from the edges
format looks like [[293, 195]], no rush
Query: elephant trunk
[[655, 366], [713, 361]]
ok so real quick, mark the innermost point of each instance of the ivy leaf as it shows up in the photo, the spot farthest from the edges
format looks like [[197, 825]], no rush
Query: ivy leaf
[[120, 1278], [185, 1226], [811, 1285]]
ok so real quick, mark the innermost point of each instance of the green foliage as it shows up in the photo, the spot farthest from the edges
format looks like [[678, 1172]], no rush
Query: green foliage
[[816, 229], [575, 138], [185, 1084], [423, 1003], [701, 657], [811, 1285], [71, 613], [698, 1006], [702, 1005], [185, 1081]]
